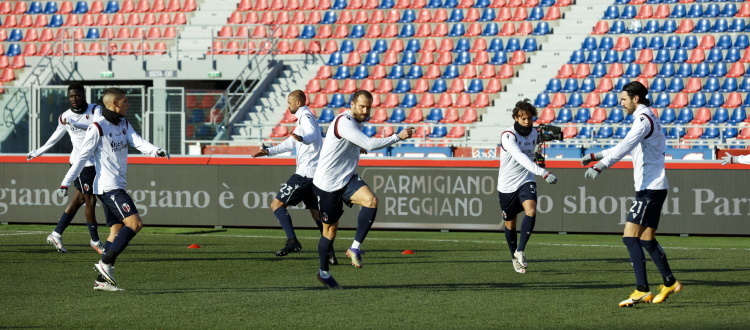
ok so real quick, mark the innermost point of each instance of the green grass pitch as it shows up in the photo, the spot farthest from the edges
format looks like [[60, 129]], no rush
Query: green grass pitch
[[454, 280]]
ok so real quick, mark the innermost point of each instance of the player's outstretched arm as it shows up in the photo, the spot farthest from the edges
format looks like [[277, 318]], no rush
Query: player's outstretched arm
[[591, 157], [136, 141], [729, 159], [261, 153], [56, 136]]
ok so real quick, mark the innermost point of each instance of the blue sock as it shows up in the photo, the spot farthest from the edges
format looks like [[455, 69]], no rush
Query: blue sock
[[63, 223], [527, 226], [324, 245], [285, 221], [121, 242], [93, 231], [107, 245], [660, 259], [511, 237], [638, 260], [364, 222]]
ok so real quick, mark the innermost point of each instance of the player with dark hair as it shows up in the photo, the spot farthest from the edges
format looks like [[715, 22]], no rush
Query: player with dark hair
[[306, 140], [106, 142], [516, 185], [74, 121], [336, 183], [647, 143]]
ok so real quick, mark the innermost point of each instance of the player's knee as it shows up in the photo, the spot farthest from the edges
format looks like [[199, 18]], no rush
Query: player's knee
[[371, 202], [530, 213], [275, 204]]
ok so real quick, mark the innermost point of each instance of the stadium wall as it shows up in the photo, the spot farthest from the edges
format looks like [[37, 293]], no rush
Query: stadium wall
[[455, 194]]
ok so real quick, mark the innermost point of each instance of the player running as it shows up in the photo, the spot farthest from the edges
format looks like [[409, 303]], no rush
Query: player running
[[647, 143], [336, 182], [306, 140], [516, 184], [106, 142], [74, 121]]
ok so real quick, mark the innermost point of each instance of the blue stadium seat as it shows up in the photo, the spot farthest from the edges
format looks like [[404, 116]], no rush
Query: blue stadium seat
[[738, 25], [610, 57], [733, 55], [711, 131], [621, 132], [112, 7], [386, 4], [696, 11], [675, 86], [491, 29], [457, 15], [360, 72], [329, 18], [729, 132], [337, 101], [673, 42], [585, 132], [407, 31], [536, 14], [618, 27], [339, 4], [13, 50], [347, 46], [656, 43], [50, 8], [327, 115], [615, 116], [714, 55], [546, 3], [93, 33], [744, 85], [372, 59], [594, 57], [55, 21], [342, 72], [716, 100], [564, 116], [412, 46], [604, 132], [15, 35], [719, 70], [82, 7], [587, 85], [553, 86], [662, 56], [457, 30], [498, 58], [577, 57], [402, 87], [398, 115], [639, 43], [496, 45], [582, 116], [685, 116], [702, 26], [678, 11], [35, 7], [679, 56], [408, 58], [658, 85], [669, 26], [357, 31], [541, 100], [698, 100], [651, 27], [433, 4], [589, 43], [628, 56], [335, 59], [197, 116], [462, 58], [381, 46], [475, 86], [628, 12], [435, 116], [662, 100], [397, 72], [729, 85], [598, 71], [729, 10], [690, 42], [438, 86], [612, 12], [675, 133], [369, 130], [738, 115], [711, 11], [571, 85], [610, 100], [633, 71], [450, 4], [438, 132], [488, 15], [513, 45], [542, 28], [628, 119], [409, 101], [308, 32], [711, 85], [529, 45], [667, 116], [451, 72], [407, 16], [415, 72], [462, 45], [724, 42], [667, 70]]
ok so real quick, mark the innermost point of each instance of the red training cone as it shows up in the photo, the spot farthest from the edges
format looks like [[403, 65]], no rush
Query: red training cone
[[194, 246], [407, 252]]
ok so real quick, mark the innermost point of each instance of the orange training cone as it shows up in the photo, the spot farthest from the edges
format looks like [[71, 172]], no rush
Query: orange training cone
[[194, 246], [407, 252]]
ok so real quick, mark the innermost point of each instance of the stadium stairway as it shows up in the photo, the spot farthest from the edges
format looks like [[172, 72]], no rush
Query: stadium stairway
[[273, 104], [196, 38], [533, 77]]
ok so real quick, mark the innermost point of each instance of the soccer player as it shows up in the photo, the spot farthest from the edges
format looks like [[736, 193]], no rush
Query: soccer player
[[516, 185], [306, 140], [336, 183], [729, 159], [82, 114], [106, 142], [647, 143]]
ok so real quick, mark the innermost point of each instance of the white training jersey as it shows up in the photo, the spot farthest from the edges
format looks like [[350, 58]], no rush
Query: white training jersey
[[340, 153], [742, 159], [76, 132], [308, 151], [108, 145], [516, 160], [648, 144]]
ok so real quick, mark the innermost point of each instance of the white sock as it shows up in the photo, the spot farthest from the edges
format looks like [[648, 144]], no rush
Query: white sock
[[355, 245], [324, 274]]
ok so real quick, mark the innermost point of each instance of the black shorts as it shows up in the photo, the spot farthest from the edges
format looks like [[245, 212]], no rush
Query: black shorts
[[117, 206], [85, 181], [646, 208], [331, 204], [512, 203], [298, 189]]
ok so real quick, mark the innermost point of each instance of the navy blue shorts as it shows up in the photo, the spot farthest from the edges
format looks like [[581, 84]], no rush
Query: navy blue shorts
[[512, 203], [85, 181], [117, 206], [646, 208], [331, 204], [298, 189]]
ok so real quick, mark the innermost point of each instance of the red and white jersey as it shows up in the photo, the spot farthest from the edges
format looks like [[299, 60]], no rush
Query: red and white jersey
[[516, 160], [76, 133], [648, 144], [308, 151], [340, 153], [108, 145]]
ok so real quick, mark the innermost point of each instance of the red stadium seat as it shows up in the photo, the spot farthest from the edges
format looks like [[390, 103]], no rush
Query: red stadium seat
[[428, 100], [506, 71], [481, 101], [385, 87], [615, 70], [649, 71], [451, 116], [456, 132], [367, 85], [693, 85], [604, 86], [432, 72], [470, 71], [421, 86], [462, 100], [377, 17], [469, 116], [602, 27], [378, 72], [546, 116], [330, 47], [391, 100]]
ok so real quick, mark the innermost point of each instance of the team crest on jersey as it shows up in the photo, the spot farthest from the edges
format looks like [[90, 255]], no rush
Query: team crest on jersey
[[126, 207], [86, 187]]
